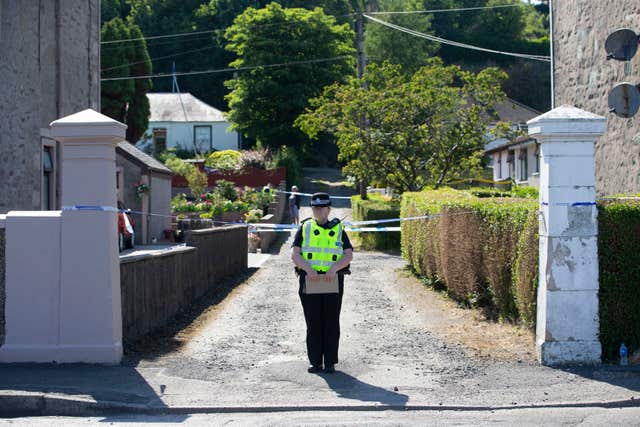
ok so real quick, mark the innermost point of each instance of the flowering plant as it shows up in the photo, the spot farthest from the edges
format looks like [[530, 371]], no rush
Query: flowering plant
[[141, 189]]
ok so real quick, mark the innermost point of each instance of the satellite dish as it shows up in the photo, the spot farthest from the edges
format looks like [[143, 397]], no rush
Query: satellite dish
[[621, 45], [624, 100]]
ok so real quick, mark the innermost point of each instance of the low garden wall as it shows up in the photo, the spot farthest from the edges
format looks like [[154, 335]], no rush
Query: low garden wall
[[278, 212], [155, 287], [250, 177], [484, 252]]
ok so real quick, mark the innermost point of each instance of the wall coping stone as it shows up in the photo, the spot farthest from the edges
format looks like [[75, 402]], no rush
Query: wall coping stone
[[159, 253], [223, 229]]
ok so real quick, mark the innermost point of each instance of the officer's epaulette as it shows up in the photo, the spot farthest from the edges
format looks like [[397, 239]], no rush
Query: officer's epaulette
[[333, 222], [305, 220]]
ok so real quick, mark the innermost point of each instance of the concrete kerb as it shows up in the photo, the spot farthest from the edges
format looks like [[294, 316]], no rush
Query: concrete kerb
[[28, 404]]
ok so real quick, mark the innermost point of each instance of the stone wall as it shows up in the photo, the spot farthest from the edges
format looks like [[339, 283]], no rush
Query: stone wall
[[156, 287], [278, 212], [583, 78], [2, 283], [45, 74]]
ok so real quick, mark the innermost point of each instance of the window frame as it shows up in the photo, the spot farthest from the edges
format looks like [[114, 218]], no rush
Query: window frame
[[195, 130]]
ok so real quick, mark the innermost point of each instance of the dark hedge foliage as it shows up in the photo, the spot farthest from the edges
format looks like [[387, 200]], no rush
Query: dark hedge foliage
[[376, 207], [619, 259]]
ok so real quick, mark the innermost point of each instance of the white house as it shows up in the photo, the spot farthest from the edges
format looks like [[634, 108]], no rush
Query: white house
[[180, 120], [515, 159]]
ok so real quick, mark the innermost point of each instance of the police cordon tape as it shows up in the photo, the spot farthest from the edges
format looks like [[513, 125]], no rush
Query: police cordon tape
[[309, 194]]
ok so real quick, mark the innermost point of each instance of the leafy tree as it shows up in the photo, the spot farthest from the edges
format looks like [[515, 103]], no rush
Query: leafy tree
[[126, 100], [110, 9], [264, 102], [386, 44], [421, 129]]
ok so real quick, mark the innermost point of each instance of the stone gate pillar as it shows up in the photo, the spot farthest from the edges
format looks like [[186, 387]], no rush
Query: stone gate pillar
[[567, 309], [63, 272]]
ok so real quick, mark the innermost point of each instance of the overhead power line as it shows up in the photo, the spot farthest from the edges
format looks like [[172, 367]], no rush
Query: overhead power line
[[459, 9], [454, 43], [217, 30], [224, 70], [159, 58]]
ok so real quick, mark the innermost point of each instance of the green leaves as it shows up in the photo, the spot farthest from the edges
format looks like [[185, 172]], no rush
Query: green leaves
[[407, 132], [264, 102]]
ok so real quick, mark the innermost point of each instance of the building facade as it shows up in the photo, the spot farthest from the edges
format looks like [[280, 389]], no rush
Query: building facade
[[583, 77], [182, 121], [49, 57]]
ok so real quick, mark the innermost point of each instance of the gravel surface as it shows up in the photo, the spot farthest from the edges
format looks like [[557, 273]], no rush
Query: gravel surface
[[401, 344]]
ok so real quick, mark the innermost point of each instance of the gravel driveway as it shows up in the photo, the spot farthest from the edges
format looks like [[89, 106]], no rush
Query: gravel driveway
[[401, 344]]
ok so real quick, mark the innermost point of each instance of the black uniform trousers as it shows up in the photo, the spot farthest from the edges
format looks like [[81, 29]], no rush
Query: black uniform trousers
[[322, 315]]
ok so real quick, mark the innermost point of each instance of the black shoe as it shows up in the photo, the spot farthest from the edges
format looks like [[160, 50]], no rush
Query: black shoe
[[330, 369], [314, 369]]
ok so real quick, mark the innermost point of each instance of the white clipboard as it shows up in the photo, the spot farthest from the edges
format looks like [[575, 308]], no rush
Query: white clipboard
[[322, 286]]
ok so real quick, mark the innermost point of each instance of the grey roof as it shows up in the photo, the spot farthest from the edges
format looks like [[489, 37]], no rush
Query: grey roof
[[142, 158], [167, 107], [510, 110]]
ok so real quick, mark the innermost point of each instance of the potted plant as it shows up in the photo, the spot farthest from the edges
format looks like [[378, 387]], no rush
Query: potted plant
[[254, 242]]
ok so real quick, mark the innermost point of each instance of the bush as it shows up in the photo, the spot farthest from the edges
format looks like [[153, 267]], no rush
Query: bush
[[473, 246], [288, 159], [258, 159], [226, 190], [377, 207], [225, 160], [196, 179], [619, 259]]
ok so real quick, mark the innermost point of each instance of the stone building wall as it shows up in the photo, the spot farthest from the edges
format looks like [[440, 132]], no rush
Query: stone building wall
[[583, 77], [48, 69]]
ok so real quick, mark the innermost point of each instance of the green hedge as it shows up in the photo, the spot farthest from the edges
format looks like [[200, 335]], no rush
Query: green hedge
[[619, 260], [480, 249], [376, 207]]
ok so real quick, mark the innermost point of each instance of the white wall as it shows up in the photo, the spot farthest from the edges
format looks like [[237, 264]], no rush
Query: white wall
[[160, 203], [182, 134]]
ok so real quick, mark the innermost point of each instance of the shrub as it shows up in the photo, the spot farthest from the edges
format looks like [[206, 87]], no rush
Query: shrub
[[288, 159], [225, 160], [619, 259], [226, 190], [377, 207], [258, 159], [196, 179], [253, 216], [471, 245]]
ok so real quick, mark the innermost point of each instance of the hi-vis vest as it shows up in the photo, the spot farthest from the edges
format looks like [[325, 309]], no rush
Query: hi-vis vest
[[322, 247]]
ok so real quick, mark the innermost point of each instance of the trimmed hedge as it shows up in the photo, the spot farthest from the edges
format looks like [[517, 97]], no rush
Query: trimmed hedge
[[480, 249], [376, 207], [619, 260]]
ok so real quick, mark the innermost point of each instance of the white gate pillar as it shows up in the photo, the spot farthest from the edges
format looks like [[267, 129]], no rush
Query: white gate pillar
[[63, 272], [567, 325]]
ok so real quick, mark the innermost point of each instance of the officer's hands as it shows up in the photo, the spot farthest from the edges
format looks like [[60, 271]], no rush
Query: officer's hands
[[313, 275], [330, 274]]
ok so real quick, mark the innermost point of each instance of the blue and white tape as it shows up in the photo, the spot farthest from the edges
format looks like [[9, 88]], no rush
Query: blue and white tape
[[91, 208], [568, 204], [309, 194]]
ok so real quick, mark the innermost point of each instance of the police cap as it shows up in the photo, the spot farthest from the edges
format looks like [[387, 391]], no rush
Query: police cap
[[320, 199]]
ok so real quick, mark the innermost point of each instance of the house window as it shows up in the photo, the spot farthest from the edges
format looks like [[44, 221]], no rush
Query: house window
[[159, 140], [48, 182], [499, 166], [202, 138], [537, 158], [524, 164]]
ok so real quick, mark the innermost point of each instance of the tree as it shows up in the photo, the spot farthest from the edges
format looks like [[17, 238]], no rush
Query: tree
[[265, 101], [386, 44], [125, 100], [421, 129]]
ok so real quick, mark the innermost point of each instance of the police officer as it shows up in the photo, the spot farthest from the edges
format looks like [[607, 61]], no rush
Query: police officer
[[321, 251]]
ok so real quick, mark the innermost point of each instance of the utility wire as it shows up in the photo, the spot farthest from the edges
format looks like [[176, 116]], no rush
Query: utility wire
[[454, 43], [406, 12], [223, 70], [160, 57], [192, 33]]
